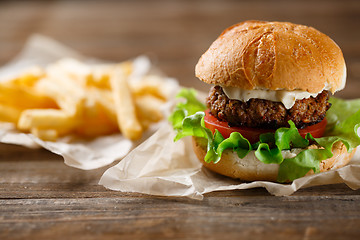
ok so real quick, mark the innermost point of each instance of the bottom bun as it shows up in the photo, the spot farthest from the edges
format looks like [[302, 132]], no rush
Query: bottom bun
[[250, 168]]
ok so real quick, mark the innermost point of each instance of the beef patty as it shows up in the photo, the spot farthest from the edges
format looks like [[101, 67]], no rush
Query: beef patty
[[260, 113]]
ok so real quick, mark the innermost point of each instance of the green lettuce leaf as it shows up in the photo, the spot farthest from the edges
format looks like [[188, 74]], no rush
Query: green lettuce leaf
[[340, 110], [309, 159], [287, 138], [343, 122], [187, 108], [267, 155], [191, 126], [237, 143]]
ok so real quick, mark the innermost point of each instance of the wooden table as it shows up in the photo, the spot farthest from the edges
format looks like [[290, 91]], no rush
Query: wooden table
[[42, 198]]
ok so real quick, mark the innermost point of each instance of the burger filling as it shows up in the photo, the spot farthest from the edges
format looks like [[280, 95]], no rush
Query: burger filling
[[191, 118], [260, 113]]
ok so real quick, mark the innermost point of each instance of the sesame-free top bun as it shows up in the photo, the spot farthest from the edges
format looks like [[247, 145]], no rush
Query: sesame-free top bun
[[251, 169], [274, 56]]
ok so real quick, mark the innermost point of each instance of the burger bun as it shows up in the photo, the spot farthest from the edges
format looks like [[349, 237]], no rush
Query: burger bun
[[273, 56], [250, 168]]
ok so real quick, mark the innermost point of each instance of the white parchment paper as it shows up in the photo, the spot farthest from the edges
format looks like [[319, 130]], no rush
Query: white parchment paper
[[83, 154], [162, 167]]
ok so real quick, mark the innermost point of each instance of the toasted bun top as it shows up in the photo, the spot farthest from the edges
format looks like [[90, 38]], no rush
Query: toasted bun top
[[274, 56]]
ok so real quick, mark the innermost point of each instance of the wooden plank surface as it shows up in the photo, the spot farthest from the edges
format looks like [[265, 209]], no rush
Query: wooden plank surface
[[42, 198]]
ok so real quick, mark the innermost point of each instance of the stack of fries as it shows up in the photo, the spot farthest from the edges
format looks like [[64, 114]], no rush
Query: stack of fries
[[69, 97]]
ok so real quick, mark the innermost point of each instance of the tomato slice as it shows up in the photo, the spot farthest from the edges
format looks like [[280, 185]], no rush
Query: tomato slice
[[316, 130], [252, 134]]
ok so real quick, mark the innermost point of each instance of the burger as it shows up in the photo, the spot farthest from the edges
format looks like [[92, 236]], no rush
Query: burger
[[270, 114]]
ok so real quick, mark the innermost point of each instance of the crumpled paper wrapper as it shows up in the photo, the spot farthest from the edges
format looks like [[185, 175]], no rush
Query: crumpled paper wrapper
[[160, 166], [83, 154]]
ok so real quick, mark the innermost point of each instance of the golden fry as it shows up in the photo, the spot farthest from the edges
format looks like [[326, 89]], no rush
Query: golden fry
[[100, 76], [46, 118], [9, 113], [23, 97], [29, 77], [124, 105], [95, 121], [148, 108], [150, 85], [46, 134], [74, 69], [105, 99], [65, 100]]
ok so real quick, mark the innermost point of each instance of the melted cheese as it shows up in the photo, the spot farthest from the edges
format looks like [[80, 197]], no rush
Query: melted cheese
[[288, 98]]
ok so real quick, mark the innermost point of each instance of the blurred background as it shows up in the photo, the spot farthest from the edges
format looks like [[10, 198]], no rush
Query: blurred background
[[173, 33]]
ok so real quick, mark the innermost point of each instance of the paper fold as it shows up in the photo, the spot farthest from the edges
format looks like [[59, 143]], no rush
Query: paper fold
[[160, 166]]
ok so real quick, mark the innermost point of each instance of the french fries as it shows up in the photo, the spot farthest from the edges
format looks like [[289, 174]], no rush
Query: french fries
[[69, 97], [46, 119], [9, 113], [23, 97], [124, 105], [150, 86], [29, 77], [147, 107], [46, 134]]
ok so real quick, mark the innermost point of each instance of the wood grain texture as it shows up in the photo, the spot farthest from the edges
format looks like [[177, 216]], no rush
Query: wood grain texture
[[41, 198]]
